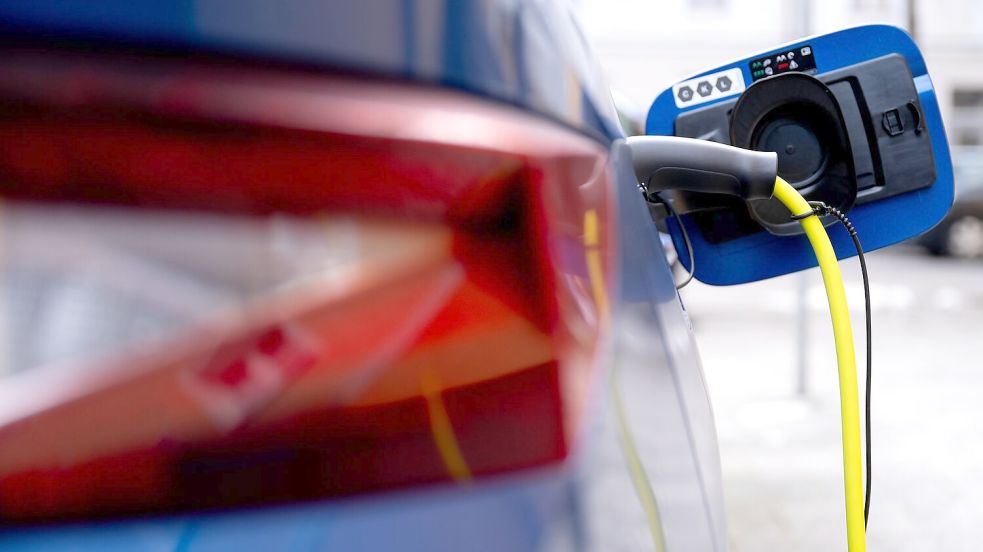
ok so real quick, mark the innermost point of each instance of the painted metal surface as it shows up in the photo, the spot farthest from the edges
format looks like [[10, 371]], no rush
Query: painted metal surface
[[533, 513], [669, 399], [567, 507], [528, 54]]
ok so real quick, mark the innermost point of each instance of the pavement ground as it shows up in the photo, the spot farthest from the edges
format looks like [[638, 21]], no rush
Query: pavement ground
[[780, 448]]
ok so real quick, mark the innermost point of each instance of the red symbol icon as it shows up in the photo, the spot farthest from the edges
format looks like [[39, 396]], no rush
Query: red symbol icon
[[242, 376]]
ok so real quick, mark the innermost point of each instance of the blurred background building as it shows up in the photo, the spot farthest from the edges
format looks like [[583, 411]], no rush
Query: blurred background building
[[646, 45], [766, 347]]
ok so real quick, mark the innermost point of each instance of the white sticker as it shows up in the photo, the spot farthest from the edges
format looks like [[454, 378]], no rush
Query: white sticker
[[708, 87]]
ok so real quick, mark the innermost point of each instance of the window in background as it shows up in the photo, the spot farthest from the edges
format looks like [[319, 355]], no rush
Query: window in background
[[870, 4]]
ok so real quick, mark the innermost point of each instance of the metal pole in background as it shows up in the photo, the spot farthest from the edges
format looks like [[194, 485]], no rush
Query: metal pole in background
[[912, 16], [802, 334], [804, 21]]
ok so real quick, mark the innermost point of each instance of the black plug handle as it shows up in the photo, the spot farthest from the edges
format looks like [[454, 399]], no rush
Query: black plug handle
[[676, 163]]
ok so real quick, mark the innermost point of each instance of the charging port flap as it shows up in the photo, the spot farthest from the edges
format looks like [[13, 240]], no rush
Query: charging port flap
[[855, 124]]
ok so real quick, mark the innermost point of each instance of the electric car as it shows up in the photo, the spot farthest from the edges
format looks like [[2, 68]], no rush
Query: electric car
[[331, 276], [381, 275]]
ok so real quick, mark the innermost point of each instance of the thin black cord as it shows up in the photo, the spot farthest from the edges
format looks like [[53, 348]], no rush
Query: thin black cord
[[820, 208], [863, 269], [689, 245]]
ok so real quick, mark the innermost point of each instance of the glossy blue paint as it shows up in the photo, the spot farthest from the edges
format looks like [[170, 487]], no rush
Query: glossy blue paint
[[543, 66], [566, 507], [520, 513], [879, 224], [670, 396]]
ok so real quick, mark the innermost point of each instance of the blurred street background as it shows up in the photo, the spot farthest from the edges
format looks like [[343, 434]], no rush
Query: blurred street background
[[780, 435], [767, 347]]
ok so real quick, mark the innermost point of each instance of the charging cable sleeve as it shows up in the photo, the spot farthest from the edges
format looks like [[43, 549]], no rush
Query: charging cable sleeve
[[845, 359]]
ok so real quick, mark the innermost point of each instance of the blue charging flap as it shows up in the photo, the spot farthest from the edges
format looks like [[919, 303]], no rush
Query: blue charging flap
[[880, 221]]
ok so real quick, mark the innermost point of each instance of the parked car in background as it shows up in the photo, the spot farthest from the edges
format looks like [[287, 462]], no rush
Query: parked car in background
[[960, 234]]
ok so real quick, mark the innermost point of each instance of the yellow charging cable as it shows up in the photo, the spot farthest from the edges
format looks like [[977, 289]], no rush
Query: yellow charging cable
[[639, 479], [845, 360], [442, 430]]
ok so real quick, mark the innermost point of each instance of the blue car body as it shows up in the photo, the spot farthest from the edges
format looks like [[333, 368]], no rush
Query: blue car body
[[526, 54]]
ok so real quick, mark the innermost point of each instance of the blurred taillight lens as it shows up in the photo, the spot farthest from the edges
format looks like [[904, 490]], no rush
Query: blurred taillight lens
[[227, 286]]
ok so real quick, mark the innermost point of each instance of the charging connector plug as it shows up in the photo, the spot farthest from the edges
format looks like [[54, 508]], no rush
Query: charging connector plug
[[673, 163]]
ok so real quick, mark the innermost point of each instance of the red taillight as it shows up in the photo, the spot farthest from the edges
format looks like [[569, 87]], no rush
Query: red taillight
[[459, 341]]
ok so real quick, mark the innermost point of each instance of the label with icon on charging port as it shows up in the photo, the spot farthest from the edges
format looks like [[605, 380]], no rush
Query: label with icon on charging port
[[799, 59], [709, 87]]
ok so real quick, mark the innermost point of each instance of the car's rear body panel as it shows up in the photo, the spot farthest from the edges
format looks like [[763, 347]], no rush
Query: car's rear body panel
[[515, 55], [526, 53]]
